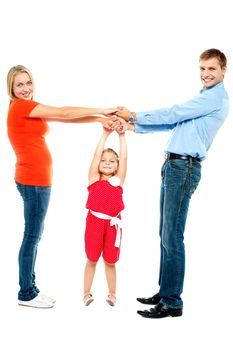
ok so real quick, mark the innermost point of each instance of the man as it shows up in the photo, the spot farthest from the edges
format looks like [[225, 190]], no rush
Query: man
[[194, 124]]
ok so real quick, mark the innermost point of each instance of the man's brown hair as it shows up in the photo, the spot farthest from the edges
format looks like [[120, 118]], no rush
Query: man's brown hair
[[211, 53]]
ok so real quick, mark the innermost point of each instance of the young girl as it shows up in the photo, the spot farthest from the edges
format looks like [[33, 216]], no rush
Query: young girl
[[103, 233]]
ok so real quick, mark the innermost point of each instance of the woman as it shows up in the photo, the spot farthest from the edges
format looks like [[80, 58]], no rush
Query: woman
[[27, 127]]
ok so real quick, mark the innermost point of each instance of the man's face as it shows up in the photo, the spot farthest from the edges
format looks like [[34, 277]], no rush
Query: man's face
[[211, 73]]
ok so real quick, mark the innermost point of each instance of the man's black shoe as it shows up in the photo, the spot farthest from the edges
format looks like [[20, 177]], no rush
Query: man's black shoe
[[150, 301], [160, 311]]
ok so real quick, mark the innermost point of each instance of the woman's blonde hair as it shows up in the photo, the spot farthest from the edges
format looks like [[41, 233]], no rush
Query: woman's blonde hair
[[10, 79]]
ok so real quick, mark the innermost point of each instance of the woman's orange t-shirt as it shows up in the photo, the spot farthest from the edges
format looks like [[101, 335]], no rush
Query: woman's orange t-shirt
[[27, 137]]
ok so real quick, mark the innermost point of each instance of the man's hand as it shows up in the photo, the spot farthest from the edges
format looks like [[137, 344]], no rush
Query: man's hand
[[123, 113]]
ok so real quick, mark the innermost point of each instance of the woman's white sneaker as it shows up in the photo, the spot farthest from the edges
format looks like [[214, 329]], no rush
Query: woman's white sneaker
[[39, 302]]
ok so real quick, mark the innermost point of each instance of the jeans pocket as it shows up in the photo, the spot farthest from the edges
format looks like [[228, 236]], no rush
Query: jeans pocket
[[178, 165], [195, 177], [163, 170]]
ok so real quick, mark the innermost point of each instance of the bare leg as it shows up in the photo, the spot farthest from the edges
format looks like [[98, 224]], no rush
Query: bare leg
[[88, 279], [110, 271]]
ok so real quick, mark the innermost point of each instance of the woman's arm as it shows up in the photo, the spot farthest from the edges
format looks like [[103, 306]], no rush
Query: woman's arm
[[93, 174], [89, 119], [121, 173], [44, 111]]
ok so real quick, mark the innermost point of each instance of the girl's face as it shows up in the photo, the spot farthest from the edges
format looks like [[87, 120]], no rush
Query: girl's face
[[23, 86], [108, 164]]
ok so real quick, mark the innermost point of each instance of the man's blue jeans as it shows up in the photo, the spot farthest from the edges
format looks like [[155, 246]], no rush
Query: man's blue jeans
[[36, 201], [180, 178]]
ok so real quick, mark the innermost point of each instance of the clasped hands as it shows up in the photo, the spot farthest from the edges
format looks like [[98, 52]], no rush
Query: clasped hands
[[118, 120]]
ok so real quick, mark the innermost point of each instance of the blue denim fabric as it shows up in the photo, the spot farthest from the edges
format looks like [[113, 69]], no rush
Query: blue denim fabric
[[180, 178], [36, 201]]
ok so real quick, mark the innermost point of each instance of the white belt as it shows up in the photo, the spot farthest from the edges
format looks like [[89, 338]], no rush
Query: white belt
[[114, 220]]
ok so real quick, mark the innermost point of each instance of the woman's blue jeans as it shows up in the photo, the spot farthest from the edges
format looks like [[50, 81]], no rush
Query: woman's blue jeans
[[180, 178], [36, 201]]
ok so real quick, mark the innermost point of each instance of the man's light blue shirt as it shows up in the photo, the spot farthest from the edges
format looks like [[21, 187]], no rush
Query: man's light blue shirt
[[194, 123]]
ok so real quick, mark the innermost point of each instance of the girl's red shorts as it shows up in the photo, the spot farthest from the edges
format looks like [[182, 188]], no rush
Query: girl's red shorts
[[100, 239]]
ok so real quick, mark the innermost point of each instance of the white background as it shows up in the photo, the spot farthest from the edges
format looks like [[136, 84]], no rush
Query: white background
[[144, 55]]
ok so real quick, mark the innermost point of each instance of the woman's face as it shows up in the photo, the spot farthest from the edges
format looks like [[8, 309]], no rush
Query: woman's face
[[23, 86]]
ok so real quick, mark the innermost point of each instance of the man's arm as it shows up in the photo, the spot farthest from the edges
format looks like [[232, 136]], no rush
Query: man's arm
[[145, 129], [199, 106], [120, 125]]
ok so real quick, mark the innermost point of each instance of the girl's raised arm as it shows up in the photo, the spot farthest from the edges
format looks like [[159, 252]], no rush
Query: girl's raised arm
[[121, 173]]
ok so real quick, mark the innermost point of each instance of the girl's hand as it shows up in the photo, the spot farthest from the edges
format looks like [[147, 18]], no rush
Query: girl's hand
[[107, 127], [120, 125], [113, 124]]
